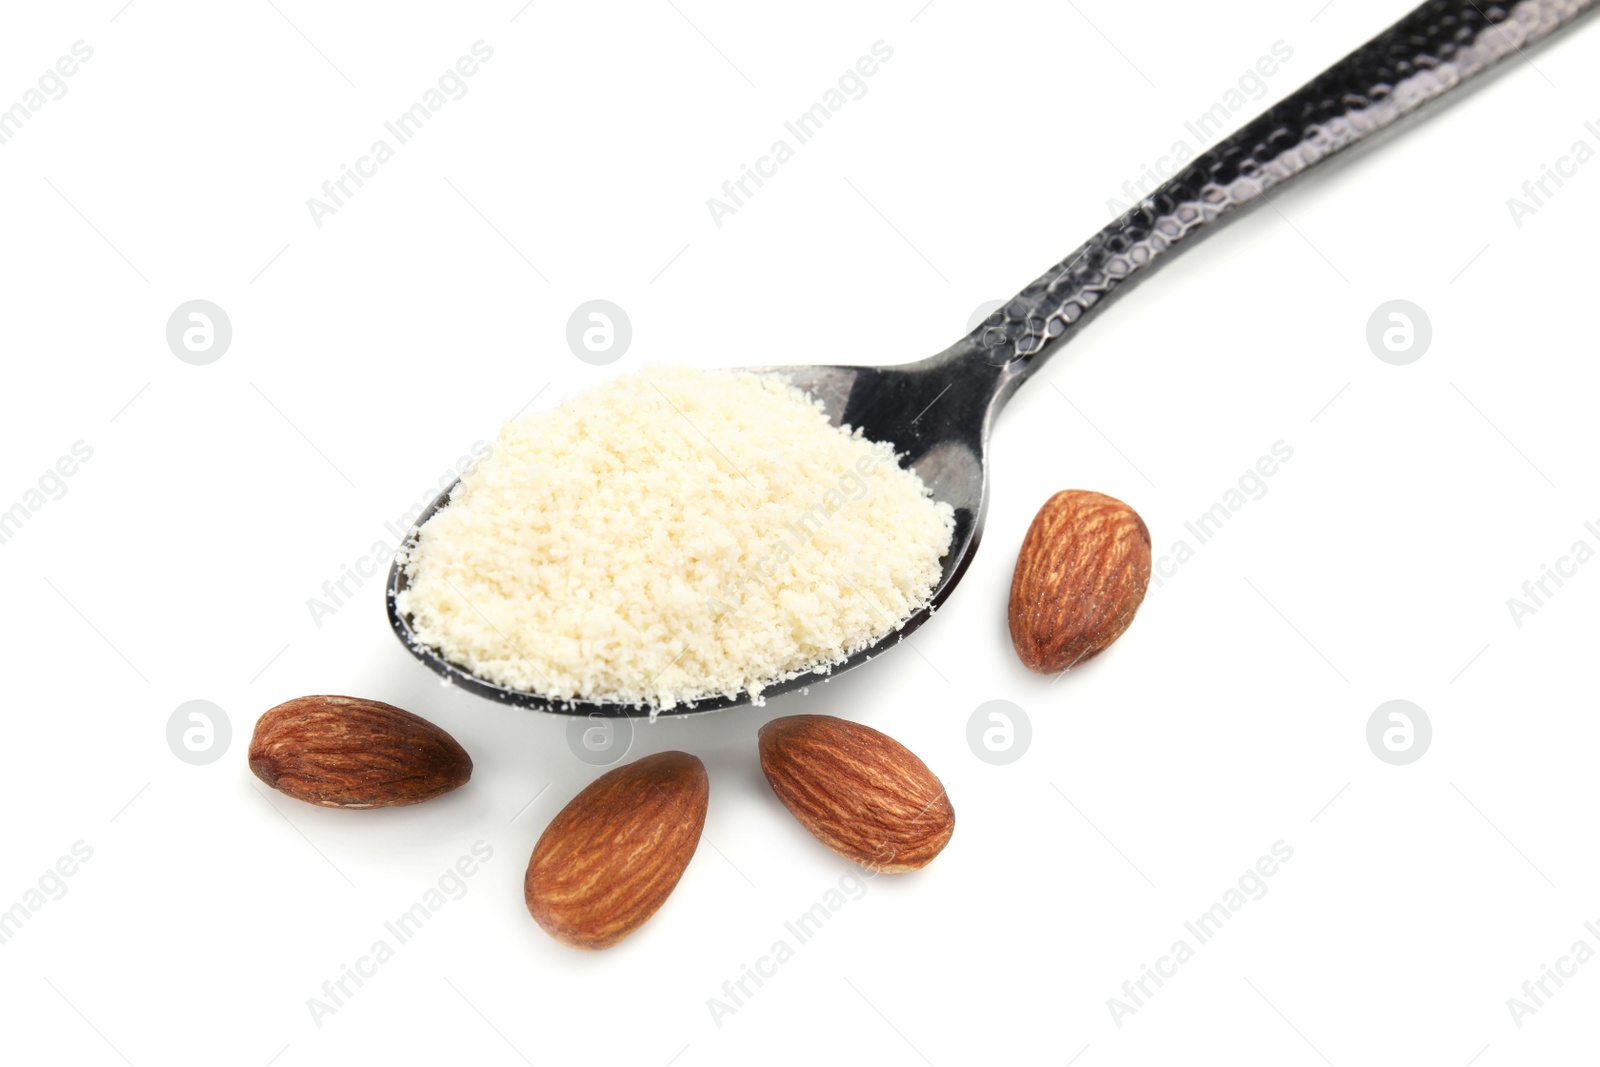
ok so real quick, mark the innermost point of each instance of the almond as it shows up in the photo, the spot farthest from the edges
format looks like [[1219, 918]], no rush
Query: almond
[[860, 792], [346, 752], [1081, 575], [615, 853]]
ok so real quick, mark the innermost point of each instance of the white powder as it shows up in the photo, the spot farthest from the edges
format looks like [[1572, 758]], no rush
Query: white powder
[[671, 536]]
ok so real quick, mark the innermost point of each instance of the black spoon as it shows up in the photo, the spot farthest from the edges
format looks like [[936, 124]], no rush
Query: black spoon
[[938, 411]]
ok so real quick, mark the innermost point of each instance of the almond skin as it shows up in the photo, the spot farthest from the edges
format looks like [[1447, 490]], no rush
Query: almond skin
[[346, 752], [613, 855], [860, 792], [1081, 575]]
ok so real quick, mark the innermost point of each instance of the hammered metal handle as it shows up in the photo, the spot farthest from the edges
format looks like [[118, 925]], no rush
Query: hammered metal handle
[[1437, 48]]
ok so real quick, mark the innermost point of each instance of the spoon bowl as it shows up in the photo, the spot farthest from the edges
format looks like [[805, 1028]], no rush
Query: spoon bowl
[[895, 404]]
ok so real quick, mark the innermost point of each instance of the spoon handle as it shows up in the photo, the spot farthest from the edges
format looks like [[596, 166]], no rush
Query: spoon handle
[[1430, 53]]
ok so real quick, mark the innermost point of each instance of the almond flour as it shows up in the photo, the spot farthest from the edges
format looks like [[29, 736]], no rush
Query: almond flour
[[672, 536]]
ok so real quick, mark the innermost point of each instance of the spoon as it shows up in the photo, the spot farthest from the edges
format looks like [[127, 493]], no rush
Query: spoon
[[938, 412]]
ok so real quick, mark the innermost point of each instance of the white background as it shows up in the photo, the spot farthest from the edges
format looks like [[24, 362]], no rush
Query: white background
[[1231, 716]]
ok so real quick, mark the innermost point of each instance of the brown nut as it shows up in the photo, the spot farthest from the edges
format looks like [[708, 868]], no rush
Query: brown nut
[[860, 792], [1081, 575], [614, 854], [346, 752]]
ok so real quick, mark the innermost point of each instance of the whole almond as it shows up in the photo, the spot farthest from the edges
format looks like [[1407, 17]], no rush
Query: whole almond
[[860, 792], [346, 752], [1081, 575], [614, 854]]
